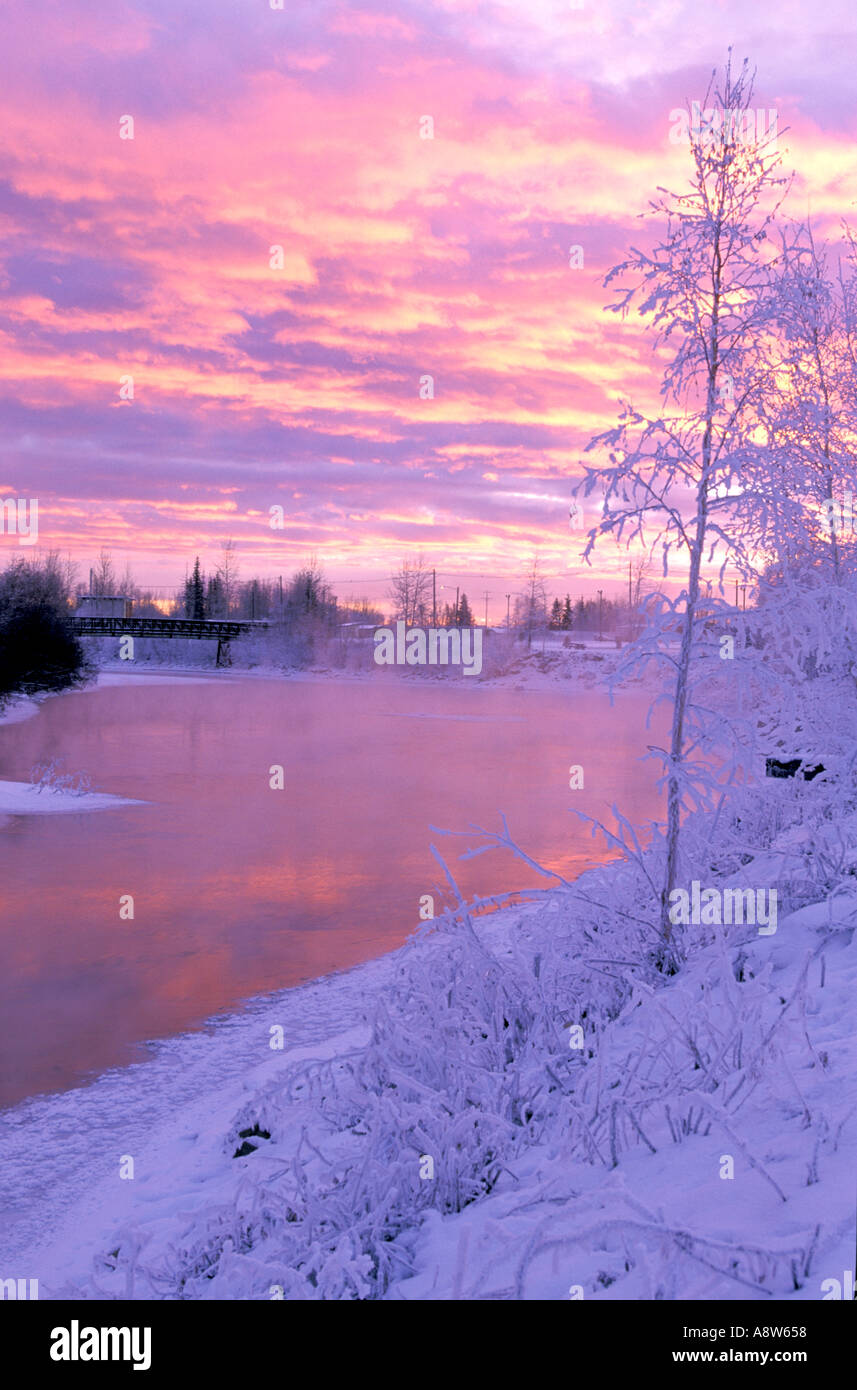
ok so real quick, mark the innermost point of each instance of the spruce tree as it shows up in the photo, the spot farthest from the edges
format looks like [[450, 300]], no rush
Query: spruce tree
[[197, 592]]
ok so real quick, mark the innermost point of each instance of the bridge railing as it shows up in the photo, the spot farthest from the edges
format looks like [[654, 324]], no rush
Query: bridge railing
[[214, 629]]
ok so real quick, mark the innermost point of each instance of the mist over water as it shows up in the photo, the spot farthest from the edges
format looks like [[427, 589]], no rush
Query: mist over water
[[239, 889]]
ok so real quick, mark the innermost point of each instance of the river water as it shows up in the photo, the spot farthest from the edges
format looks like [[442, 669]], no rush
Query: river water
[[239, 889]]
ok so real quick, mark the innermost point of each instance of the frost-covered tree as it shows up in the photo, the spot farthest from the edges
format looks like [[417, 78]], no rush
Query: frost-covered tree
[[103, 574], [811, 418], [697, 480], [531, 605], [410, 591], [805, 628], [227, 574]]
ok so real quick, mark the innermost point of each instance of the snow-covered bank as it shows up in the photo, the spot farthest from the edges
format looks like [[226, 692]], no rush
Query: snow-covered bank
[[700, 1143], [514, 1108], [29, 799], [169, 1112], [123, 676], [26, 799], [18, 709], [586, 662]]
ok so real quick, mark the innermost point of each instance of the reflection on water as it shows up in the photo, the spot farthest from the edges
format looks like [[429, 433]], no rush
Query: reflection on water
[[239, 889]]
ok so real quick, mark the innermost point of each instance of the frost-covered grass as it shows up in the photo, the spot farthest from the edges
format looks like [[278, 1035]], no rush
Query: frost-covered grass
[[53, 776], [594, 1169]]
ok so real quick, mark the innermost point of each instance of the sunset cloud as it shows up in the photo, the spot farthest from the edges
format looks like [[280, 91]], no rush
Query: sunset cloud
[[279, 259]]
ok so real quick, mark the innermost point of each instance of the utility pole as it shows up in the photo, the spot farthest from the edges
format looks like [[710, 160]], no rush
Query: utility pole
[[736, 593], [433, 599], [600, 610], [630, 599], [508, 597], [486, 607], [456, 604]]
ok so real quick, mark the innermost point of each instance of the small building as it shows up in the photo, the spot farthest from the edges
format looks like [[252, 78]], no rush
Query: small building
[[103, 606], [363, 631]]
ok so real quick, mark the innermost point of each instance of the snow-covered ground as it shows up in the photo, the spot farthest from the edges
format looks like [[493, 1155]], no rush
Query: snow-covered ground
[[25, 799], [17, 709], [59, 1212], [584, 659], [514, 1107], [601, 1172]]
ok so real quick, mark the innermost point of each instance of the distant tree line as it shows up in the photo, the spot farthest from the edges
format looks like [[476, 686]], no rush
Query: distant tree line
[[306, 595], [586, 615]]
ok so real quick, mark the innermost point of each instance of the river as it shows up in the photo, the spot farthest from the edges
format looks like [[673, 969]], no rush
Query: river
[[239, 889]]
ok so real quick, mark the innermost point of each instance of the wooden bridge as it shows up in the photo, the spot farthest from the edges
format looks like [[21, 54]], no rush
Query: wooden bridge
[[219, 630]]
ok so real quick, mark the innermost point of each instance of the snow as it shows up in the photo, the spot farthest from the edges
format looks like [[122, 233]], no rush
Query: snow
[[770, 1017], [544, 666], [170, 1112], [108, 678], [600, 1171], [25, 799], [18, 709]]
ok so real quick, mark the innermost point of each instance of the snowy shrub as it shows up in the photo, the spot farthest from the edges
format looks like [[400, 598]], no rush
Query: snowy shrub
[[50, 776]]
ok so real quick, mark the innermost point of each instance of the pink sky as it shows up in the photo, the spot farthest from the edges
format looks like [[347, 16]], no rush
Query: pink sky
[[402, 257]]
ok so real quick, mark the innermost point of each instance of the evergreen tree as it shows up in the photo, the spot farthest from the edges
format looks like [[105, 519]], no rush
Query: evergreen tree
[[215, 601], [566, 622], [465, 617], [556, 614], [194, 600]]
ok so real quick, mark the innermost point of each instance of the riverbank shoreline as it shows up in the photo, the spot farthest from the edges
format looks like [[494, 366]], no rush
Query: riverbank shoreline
[[219, 1114], [594, 1130], [575, 670], [547, 663], [536, 670]]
